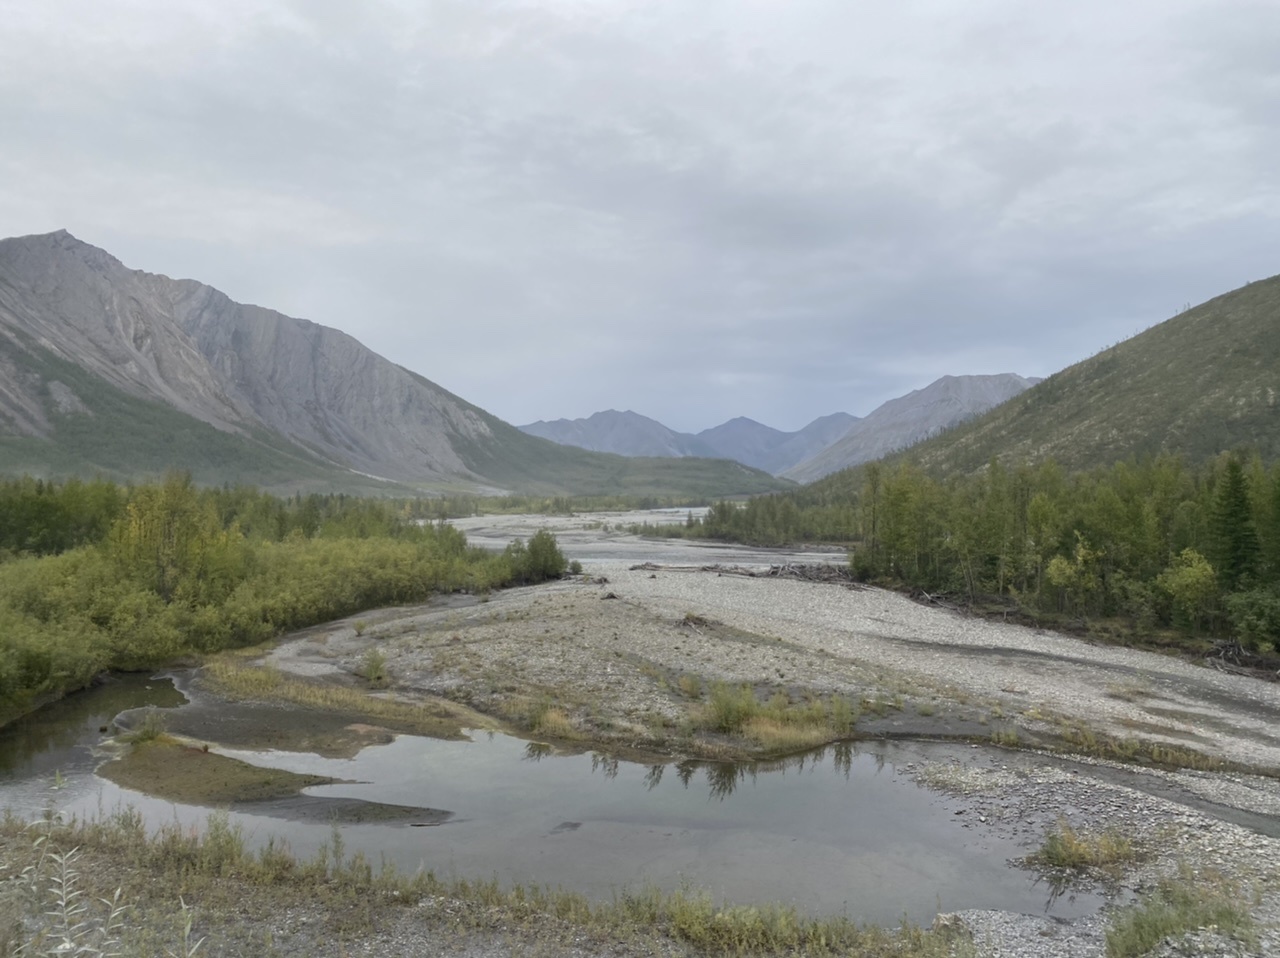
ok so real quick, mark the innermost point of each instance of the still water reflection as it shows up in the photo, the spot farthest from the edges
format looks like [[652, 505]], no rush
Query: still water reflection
[[838, 830]]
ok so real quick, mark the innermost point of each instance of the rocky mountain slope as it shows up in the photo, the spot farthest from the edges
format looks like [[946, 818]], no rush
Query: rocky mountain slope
[[108, 369], [907, 420], [1205, 381]]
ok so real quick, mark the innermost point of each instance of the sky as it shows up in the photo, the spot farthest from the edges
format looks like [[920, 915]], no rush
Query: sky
[[694, 209]]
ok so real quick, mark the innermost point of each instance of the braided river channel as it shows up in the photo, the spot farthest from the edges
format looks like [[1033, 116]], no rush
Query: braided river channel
[[844, 829]]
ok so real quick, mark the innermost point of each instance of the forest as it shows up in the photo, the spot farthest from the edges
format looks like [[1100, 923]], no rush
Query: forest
[[97, 576], [1153, 545]]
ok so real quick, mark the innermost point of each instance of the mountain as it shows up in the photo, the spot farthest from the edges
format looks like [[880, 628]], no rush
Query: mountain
[[808, 442], [109, 370], [742, 440], [907, 420], [1205, 381], [625, 433]]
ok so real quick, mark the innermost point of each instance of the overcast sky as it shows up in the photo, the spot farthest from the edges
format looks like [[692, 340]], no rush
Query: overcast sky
[[696, 209]]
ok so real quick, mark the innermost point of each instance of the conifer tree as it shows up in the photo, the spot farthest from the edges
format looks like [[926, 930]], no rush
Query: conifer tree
[[1235, 540]]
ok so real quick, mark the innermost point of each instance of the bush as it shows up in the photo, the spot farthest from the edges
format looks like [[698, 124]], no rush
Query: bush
[[730, 707], [545, 560], [538, 561], [373, 667], [1255, 617]]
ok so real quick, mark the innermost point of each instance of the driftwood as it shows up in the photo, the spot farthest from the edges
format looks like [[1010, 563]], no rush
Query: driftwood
[[1228, 655], [940, 600], [806, 572]]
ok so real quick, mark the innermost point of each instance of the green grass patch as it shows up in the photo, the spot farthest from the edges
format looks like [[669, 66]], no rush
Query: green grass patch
[[183, 773], [1175, 908]]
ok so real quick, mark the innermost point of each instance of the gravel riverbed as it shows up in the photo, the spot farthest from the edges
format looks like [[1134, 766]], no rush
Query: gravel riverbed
[[608, 648]]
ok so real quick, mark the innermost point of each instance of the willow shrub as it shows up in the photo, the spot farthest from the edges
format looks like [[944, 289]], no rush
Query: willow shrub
[[124, 605]]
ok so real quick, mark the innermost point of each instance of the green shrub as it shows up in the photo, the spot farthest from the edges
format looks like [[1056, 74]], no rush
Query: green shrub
[[729, 707], [1064, 847], [1255, 617], [373, 667], [545, 560]]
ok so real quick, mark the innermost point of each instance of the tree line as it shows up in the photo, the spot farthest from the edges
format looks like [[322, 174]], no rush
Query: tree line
[[1157, 543], [95, 576]]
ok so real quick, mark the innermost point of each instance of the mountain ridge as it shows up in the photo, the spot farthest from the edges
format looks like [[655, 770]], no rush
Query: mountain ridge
[[907, 420], [257, 384], [826, 445], [1197, 384]]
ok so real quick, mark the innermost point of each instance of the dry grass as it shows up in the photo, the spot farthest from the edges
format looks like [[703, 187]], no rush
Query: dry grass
[[265, 684], [555, 723], [238, 895], [1064, 847], [690, 685], [778, 725], [774, 735]]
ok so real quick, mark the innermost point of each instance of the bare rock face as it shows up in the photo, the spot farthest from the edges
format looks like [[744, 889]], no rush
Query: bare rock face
[[239, 368], [84, 306], [322, 388]]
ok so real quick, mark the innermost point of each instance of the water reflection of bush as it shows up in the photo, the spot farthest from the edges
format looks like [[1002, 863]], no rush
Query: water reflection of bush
[[723, 778], [77, 718]]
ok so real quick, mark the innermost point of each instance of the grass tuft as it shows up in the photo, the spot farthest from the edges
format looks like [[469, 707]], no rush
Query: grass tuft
[[778, 725], [1064, 847]]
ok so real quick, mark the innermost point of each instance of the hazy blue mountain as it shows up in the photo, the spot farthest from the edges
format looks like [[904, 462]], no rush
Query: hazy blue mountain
[[808, 442], [742, 440], [905, 421], [625, 433]]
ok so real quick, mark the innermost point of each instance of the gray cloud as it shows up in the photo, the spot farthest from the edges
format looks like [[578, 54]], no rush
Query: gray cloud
[[696, 210]]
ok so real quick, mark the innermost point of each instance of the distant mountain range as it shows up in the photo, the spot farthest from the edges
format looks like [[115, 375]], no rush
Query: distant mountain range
[[112, 371], [744, 440], [1203, 382], [826, 445]]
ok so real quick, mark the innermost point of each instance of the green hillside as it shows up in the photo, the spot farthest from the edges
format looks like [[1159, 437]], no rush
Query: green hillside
[[1205, 381]]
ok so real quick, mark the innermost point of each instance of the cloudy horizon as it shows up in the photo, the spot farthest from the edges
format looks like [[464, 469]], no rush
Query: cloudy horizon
[[695, 211]]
